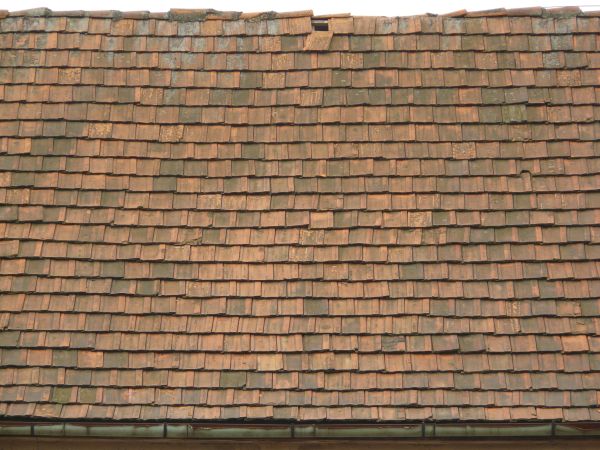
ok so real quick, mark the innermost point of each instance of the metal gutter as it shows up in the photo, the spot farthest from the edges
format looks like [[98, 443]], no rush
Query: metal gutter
[[425, 430]]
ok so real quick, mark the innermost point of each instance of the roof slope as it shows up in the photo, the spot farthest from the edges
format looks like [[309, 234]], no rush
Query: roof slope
[[212, 216]]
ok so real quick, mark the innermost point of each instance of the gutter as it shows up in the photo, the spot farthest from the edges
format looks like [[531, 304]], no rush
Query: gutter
[[425, 430]]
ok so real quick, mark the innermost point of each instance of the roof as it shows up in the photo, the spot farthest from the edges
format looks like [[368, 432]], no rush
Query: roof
[[212, 216]]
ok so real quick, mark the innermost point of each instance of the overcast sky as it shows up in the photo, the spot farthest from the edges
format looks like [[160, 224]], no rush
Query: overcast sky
[[356, 7]]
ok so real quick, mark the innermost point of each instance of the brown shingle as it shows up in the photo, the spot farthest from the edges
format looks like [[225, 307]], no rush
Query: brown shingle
[[245, 217]]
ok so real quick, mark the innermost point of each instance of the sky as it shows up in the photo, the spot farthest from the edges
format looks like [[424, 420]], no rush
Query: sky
[[355, 7]]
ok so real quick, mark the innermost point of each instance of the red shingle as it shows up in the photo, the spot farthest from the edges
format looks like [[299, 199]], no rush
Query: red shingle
[[244, 217]]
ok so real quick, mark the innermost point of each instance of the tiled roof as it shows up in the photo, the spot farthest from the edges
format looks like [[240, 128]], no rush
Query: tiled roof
[[212, 216]]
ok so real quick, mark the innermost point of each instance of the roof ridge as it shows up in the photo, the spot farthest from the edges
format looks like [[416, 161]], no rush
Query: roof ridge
[[534, 11], [212, 14], [178, 14]]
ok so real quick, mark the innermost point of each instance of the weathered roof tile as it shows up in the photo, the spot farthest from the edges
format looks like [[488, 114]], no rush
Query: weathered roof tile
[[214, 215]]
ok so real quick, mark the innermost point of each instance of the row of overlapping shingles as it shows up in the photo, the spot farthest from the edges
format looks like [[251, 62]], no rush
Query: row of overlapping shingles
[[144, 277]]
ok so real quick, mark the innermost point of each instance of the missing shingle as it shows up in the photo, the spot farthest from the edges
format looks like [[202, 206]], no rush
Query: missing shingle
[[320, 24]]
